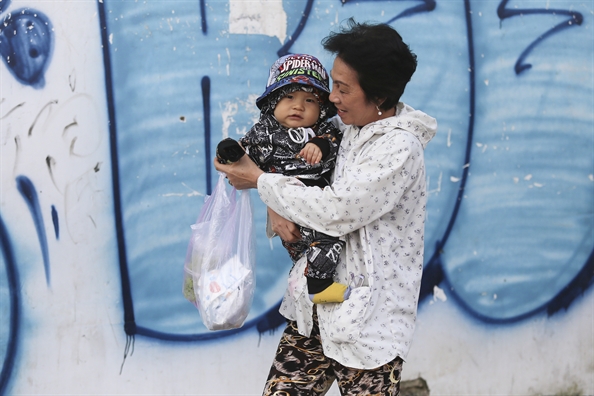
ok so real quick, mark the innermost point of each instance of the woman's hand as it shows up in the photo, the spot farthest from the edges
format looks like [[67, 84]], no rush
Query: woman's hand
[[242, 174], [285, 229]]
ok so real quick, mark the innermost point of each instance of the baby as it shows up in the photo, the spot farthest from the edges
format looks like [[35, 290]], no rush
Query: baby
[[293, 137]]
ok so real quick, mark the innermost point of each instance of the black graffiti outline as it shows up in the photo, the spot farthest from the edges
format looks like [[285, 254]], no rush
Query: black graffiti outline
[[271, 319], [203, 24], [284, 50], [504, 13], [433, 273], [268, 321], [14, 288], [426, 6]]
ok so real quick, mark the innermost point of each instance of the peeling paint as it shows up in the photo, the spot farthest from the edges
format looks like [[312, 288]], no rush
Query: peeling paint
[[265, 17]]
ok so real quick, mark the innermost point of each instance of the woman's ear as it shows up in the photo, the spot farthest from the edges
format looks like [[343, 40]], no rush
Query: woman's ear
[[378, 102]]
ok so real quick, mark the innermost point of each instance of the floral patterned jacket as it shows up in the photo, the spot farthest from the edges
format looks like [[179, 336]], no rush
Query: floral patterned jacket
[[376, 203]]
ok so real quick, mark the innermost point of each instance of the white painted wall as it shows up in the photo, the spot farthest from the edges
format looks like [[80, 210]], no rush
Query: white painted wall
[[71, 337]]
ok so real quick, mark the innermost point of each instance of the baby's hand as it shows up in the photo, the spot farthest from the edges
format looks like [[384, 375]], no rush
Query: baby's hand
[[311, 153]]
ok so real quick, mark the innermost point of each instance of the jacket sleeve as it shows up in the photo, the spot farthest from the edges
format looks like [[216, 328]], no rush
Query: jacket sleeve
[[369, 185], [256, 143]]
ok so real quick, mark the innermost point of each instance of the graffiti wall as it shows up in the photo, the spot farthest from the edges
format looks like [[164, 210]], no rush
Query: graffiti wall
[[110, 112]]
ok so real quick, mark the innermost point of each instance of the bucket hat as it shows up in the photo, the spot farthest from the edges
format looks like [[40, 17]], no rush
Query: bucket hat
[[300, 69]]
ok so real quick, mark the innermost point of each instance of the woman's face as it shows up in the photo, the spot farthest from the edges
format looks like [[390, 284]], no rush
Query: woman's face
[[348, 96]]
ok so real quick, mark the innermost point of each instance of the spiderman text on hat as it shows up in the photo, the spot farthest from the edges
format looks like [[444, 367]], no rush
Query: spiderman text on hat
[[306, 66]]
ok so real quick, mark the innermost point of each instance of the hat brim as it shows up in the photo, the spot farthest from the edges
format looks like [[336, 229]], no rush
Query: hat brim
[[301, 80]]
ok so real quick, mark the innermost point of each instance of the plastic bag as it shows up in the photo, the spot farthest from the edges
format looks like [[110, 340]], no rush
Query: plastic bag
[[219, 268]]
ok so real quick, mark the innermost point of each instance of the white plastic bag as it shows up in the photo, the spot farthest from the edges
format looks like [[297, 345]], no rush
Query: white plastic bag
[[219, 270]]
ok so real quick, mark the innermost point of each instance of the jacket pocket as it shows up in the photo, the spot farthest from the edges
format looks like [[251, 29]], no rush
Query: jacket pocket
[[347, 318], [297, 282]]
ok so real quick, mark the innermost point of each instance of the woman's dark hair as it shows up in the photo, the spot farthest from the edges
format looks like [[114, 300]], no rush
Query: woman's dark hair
[[383, 62]]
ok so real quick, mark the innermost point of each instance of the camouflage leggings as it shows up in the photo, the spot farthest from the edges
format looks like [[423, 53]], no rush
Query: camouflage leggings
[[300, 368]]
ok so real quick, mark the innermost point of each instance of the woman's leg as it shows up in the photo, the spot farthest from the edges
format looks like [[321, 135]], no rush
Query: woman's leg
[[299, 367], [384, 380]]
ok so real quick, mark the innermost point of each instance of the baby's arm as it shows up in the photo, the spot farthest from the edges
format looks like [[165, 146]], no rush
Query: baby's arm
[[327, 142], [311, 153]]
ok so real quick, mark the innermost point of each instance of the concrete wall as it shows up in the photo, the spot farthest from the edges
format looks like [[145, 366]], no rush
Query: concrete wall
[[109, 114]]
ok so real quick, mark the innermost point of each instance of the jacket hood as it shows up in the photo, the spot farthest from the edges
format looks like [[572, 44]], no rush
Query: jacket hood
[[414, 121], [423, 126]]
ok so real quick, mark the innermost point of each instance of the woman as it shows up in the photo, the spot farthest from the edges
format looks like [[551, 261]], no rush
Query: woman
[[376, 204]]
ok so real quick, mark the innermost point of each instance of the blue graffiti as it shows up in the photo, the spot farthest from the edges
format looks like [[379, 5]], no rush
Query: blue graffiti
[[11, 332], [4, 5], [129, 319], [582, 281], [284, 50], [426, 6], [205, 85], [203, 23], [26, 45], [136, 150], [27, 190], [578, 272], [575, 19], [56, 222], [433, 273]]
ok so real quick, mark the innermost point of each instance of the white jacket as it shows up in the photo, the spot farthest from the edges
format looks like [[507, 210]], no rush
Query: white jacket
[[376, 203]]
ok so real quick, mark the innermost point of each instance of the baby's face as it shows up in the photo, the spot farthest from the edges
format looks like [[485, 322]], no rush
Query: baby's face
[[297, 109]]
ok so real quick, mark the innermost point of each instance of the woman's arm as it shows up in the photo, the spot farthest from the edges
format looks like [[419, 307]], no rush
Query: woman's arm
[[285, 229], [364, 191], [242, 174]]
